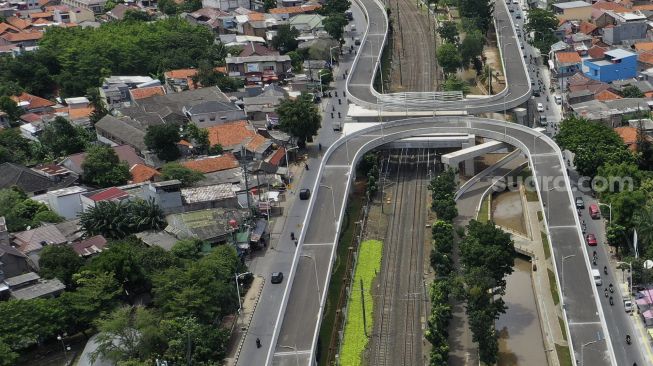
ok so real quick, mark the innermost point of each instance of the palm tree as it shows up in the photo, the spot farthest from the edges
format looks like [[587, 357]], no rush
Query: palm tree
[[643, 223], [116, 220]]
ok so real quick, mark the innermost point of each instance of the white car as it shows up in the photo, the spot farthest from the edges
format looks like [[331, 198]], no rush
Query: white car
[[558, 99], [540, 107]]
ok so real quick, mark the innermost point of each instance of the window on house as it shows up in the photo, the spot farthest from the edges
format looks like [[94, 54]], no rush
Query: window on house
[[201, 119]]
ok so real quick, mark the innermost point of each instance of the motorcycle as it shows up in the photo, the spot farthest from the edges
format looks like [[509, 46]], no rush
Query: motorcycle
[[628, 339], [605, 270], [606, 292], [611, 301], [258, 343], [611, 288], [292, 236]]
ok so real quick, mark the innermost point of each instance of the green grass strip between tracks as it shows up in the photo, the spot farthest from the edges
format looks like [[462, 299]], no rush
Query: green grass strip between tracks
[[355, 340]]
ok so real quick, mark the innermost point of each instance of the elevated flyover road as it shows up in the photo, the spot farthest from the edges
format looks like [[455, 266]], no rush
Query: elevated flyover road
[[297, 325], [361, 78]]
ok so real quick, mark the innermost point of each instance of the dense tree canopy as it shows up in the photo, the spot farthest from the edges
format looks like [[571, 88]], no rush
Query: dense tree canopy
[[543, 23], [299, 118], [61, 138], [60, 261], [14, 148], [472, 46], [449, 58], [21, 212], [632, 91], [479, 11], [162, 140], [116, 220], [448, 31], [77, 58], [334, 24], [286, 39], [177, 171], [103, 168]]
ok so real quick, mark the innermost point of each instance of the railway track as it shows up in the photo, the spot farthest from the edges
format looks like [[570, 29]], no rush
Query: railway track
[[414, 52], [397, 337]]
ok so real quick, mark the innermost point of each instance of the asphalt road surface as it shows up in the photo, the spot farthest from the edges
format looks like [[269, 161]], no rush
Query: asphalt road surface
[[299, 320]]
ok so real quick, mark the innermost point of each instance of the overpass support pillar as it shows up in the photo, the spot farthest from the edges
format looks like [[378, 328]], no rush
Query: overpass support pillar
[[468, 165]]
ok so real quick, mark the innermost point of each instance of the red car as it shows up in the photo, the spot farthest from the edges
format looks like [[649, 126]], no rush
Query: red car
[[591, 240]]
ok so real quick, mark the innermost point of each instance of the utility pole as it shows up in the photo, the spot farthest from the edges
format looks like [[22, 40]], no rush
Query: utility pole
[[243, 163]]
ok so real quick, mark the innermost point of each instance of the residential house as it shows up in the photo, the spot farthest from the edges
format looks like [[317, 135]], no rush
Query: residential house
[[213, 196], [577, 10], [237, 135], [625, 27], [12, 262], [118, 12], [257, 107], [216, 20], [182, 79], [29, 181], [31, 242], [117, 131], [125, 153], [289, 11], [30, 286], [32, 103], [160, 239], [96, 6], [90, 247], [644, 86], [567, 63], [215, 226], [112, 194], [66, 202], [617, 64], [256, 49], [212, 164], [227, 5], [629, 136], [256, 69], [606, 95], [146, 92], [143, 173], [166, 194], [115, 89], [307, 23], [75, 16], [22, 39]]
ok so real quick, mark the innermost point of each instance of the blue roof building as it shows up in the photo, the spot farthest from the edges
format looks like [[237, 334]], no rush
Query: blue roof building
[[616, 64]]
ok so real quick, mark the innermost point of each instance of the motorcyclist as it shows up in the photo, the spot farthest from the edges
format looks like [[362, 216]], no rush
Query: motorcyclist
[[258, 343], [628, 338], [606, 292], [605, 270], [611, 301], [611, 288]]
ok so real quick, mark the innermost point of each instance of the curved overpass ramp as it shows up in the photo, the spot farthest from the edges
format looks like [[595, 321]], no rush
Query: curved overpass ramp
[[298, 322], [361, 78]]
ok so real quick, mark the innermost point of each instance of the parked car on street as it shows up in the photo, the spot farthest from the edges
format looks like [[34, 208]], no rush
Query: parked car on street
[[540, 107], [277, 277], [580, 203], [591, 240]]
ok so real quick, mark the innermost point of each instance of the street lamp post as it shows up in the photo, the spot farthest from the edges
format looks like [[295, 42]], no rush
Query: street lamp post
[[333, 200], [317, 280], [331, 55], [240, 304], [562, 274], [60, 338]]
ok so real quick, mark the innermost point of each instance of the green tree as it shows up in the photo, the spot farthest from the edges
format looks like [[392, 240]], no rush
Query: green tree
[[121, 260], [116, 220], [269, 4], [216, 150], [103, 168], [7, 356], [29, 322], [479, 11], [188, 249], [12, 110], [14, 148], [448, 31], [207, 75], [177, 171], [625, 205], [96, 294], [472, 46], [207, 343], [449, 58], [162, 140], [127, 333], [133, 15], [296, 60], [543, 23], [99, 109], [616, 237], [335, 7], [199, 137], [334, 25], [60, 261], [299, 118], [61, 138], [632, 91], [168, 7], [454, 83], [46, 217], [286, 39]]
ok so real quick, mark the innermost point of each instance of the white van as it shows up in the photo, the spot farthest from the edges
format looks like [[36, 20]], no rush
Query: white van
[[597, 277]]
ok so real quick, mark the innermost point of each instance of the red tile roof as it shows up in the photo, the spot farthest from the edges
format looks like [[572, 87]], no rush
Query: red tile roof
[[93, 245], [109, 194], [180, 73], [34, 101], [22, 36], [604, 5], [596, 52], [19, 23], [295, 9], [606, 95], [276, 157], [586, 27], [644, 46], [628, 135], [45, 14], [4, 27], [212, 164], [230, 134], [643, 7], [142, 173], [645, 57], [254, 48], [571, 57], [147, 92]]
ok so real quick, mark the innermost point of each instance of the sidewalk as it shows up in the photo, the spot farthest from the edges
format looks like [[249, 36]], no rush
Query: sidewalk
[[250, 301]]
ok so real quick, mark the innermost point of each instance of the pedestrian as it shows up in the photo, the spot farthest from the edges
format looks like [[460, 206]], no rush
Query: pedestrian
[[339, 115], [344, 93], [319, 147], [336, 93], [331, 115], [333, 108], [306, 166]]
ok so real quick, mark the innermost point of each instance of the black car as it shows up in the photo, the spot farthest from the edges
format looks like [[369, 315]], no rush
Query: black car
[[304, 194], [536, 93], [277, 277], [580, 203]]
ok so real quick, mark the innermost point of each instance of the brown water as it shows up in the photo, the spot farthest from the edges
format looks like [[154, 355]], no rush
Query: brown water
[[520, 335], [508, 212]]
